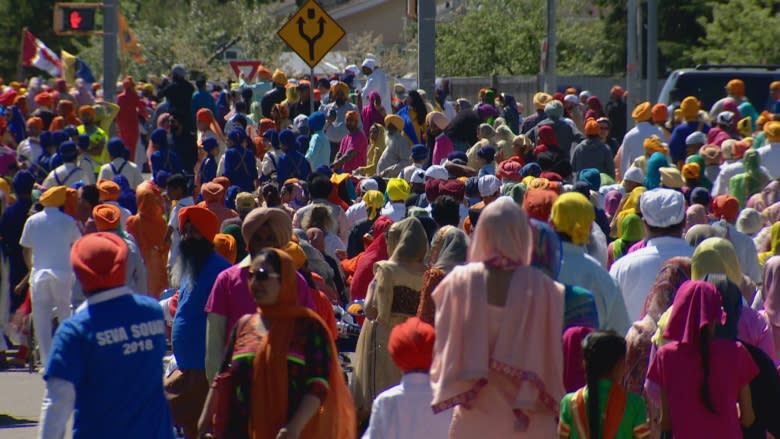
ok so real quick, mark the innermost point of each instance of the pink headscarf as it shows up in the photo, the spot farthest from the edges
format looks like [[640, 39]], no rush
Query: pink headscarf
[[612, 202], [696, 305], [509, 248], [370, 114], [573, 370], [771, 291]]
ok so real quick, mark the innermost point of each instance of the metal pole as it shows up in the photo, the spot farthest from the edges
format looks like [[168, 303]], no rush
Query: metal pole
[[110, 58], [426, 46], [631, 58], [551, 75], [312, 82], [652, 50]]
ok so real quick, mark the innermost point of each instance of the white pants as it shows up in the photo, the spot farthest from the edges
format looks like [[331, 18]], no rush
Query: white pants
[[50, 296]]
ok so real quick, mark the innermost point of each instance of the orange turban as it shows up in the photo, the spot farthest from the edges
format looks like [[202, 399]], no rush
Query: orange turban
[[690, 108], [225, 246], [54, 196], [296, 253], [44, 99], [99, 261], [691, 171], [35, 121], [264, 74], [87, 110], [642, 112], [204, 115], [204, 220], [592, 128], [736, 87], [352, 115], [660, 113], [772, 130], [109, 191], [654, 144], [222, 181], [212, 192], [411, 345], [106, 217], [71, 202]]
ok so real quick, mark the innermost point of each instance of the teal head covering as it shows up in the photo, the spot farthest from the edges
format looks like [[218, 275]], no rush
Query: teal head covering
[[653, 174]]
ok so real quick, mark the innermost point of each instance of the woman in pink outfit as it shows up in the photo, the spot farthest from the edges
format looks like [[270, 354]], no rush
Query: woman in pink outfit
[[502, 385], [771, 295], [702, 378]]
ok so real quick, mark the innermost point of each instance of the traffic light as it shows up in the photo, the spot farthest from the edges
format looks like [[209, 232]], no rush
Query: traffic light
[[75, 18]]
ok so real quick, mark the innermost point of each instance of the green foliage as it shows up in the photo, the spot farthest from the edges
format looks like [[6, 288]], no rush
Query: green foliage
[[743, 32], [190, 32]]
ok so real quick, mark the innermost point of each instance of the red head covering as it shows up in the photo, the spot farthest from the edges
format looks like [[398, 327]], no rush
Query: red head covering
[[109, 191], [213, 192], [411, 345], [44, 99], [538, 203], [573, 369], [106, 217], [696, 305], [99, 261], [454, 188], [204, 220], [432, 190], [509, 170], [726, 207], [375, 252], [546, 136], [222, 181], [35, 121]]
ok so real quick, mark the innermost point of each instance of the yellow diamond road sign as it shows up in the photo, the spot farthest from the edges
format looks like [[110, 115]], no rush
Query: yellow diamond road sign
[[311, 33]]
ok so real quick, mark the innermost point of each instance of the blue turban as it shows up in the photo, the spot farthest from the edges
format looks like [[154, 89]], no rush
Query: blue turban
[[287, 138], [159, 137], [237, 135], [68, 151], [273, 137], [210, 143], [83, 142], [316, 121], [533, 169], [116, 148], [23, 182], [592, 176]]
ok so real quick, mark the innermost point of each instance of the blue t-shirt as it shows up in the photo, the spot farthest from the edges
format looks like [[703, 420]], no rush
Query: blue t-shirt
[[189, 325], [112, 351]]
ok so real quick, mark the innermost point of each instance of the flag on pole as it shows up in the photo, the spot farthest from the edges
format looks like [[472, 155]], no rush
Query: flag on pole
[[128, 43], [74, 67], [36, 54]]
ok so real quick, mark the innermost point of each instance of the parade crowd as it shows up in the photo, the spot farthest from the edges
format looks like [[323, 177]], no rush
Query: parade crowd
[[338, 256]]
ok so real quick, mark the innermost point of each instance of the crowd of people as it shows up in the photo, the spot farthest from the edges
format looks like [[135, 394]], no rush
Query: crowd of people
[[496, 274]]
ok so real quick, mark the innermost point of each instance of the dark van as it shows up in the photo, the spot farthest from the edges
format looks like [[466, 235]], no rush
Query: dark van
[[708, 81]]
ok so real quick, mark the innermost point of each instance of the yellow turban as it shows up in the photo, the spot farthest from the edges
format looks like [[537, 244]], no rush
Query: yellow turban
[[225, 246], [297, 254], [573, 215], [690, 108], [394, 120], [541, 99], [654, 144], [398, 189], [374, 201], [691, 171], [340, 87], [642, 112], [279, 77], [772, 130], [54, 197]]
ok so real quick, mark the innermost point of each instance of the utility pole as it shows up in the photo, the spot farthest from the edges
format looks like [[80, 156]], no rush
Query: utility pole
[[652, 50], [551, 75], [110, 59], [426, 45], [632, 60]]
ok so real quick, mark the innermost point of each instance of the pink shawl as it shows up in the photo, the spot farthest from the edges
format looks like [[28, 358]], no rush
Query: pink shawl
[[534, 308], [573, 369], [771, 295], [696, 305]]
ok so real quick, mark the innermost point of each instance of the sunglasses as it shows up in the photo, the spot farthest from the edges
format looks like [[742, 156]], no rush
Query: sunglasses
[[261, 275]]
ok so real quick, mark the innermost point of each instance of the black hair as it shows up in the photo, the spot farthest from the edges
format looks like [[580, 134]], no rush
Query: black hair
[[320, 186], [602, 351], [732, 304], [381, 183], [419, 106], [445, 210], [200, 83], [246, 93], [272, 258], [90, 193], [271, 195], [241, 107], [705, 338], [177, 181]]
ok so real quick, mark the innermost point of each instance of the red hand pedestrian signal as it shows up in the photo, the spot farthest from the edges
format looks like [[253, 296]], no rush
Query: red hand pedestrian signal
[[75, 19]]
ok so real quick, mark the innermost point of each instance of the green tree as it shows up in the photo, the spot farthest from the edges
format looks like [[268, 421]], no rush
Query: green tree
[[743, 32]]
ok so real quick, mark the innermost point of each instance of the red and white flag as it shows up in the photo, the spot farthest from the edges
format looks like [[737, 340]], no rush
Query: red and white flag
[[36, 54]]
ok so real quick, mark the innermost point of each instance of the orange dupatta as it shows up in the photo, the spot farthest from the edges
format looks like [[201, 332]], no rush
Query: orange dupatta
[[336, 416], [616, 406]]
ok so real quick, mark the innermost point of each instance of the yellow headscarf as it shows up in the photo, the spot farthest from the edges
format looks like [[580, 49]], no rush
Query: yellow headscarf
[[573, 215], [398, 189], [374, 201], [716, 255], [54, 197], [774, 247]]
